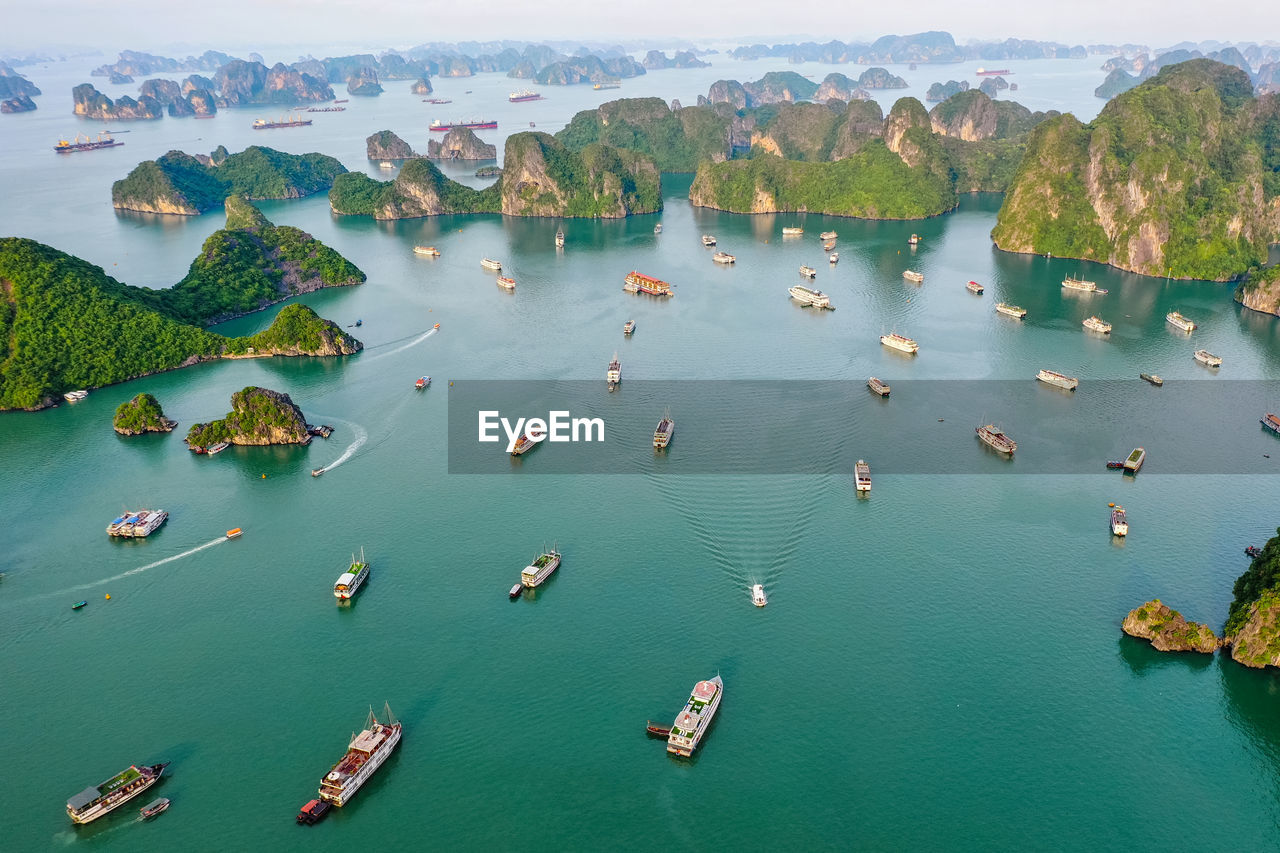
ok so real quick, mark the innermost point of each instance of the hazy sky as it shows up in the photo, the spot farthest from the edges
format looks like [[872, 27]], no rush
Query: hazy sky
[[247, 24]]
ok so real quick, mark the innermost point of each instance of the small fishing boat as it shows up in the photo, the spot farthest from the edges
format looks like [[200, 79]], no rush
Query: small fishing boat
[[506, 283], [515, 591], [629, 327], [878, 387], [758, 598], [219, 447], [429, 251], [1115, 464], [974, 287], [829, 245], [827, 235], [436, 326], [1207, 358], [708, 240], [423, 382], [913, 240], [1152, 378], [78, 605], [154, 808], [1119, 522], [657, 229], [359, 323], [316, 472], [313, 812], [657, 730], [234, 533], [1253, 551], [808, 272], [912, 275], [834, 258]]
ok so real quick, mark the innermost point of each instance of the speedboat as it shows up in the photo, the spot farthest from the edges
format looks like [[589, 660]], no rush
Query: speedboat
[[422, 382], [316, 472], [758, 598], [515, 591], [154, 808]]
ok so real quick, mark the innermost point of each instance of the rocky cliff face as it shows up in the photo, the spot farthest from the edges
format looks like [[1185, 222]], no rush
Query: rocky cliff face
[[164, 91], [991, 86], [1117, 81], [1253, 622], [461, 143], [907, 114], [14, 85], [540, 177], [1260, 291], [863, 121], [1168, 631], [838, 86], [728, 92], [421, 86], [242, 83], [798, 132], [20, 104], [90, 103], [778, 87], [1166, 181], [385, 145], [364, 83], [970, 116]]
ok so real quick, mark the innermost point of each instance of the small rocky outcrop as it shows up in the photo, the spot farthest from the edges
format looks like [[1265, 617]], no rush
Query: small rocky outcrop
[[778, 87], [90, 103], [164, 91], [118, 79], [258, 417], [728, 92], [461, 143], [385, 145], [1168, 631], [880, 78], [14, 85], [364, 83], [1255, 641], [141, 415], [942, 91], [992, 86], [421, 86], [20, 104], [1261, 291], [202, 102]]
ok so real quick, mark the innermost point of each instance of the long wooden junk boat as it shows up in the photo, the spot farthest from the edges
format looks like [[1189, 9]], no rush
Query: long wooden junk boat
[[365, 754], [994, 437], [92, 803], [636, 282]]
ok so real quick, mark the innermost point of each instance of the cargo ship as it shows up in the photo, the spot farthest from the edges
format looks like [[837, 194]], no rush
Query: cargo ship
[[92, 803], [691, 724], [666, 429], [807, 296], [350, 581], [607, 85], [1058, 380], [900, 342], [292, 121], [997, 72], [104, 140], [540, 569], [437, 125], [639, 283], [994, 437], [437, 101], [365, 754], [525, 95], [322, 110]]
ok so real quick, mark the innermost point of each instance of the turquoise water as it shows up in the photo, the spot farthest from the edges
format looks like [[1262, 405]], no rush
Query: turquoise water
[[939, 666]]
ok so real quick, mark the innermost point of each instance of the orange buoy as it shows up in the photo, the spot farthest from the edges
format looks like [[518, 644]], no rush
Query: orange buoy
[[264, 476], [1111, 504], [108, 596]]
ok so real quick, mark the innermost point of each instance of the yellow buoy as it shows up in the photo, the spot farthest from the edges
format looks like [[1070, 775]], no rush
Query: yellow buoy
[[1111, 504], [108, 596], [264, 476]]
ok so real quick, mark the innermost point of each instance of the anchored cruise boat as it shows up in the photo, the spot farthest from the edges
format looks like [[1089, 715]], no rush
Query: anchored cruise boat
[[365, 754], [1072, 283], [807, 296], [540, 569], [92, 803], [862, 476], [1119, 522], [1097, 324], [614, 374], [691, 723], [666, 429], [1207, 358], [912, 275], [640, 283], [878, 387], [1011, 310], [350, 581], [893, 340], [994, 437], [138, 524], [1176, 319], [1060, 380]]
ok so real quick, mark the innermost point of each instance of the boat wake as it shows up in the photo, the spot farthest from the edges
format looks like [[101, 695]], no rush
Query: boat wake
[[413, 343], [362, 435], [139, 570]]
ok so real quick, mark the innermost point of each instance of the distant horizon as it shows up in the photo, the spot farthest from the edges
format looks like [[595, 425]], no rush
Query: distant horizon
[[149, 25]]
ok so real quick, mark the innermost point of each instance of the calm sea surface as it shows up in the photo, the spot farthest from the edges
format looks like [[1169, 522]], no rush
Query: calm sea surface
[[940, 666]]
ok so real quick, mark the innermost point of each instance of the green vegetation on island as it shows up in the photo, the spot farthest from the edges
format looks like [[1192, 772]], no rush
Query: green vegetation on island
[[179, 183], [1253, 621], [1260, 290], [540, 177], [1178, 177], [1168, 630], [258, 416], [677, 140], [141, 415], [65, 324]]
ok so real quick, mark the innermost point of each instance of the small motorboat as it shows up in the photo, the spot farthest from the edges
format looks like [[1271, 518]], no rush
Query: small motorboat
[[835, 258], [656, 730], [219, 447], [913, 240], [629, 328], [1115, 463], [515, 591], [422, 382], [78, 605], [359, 323], [316, 472], [436, 326], [313, 812], [154, 808], [1251, 551], [234, 533], [758, 598]]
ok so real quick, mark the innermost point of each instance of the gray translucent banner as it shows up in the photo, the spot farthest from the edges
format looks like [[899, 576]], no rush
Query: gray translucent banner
[[1206, 426]]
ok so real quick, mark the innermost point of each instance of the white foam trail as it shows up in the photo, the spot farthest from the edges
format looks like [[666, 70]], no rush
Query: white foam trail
[[147, 567], [362, 435], [413, 343]]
